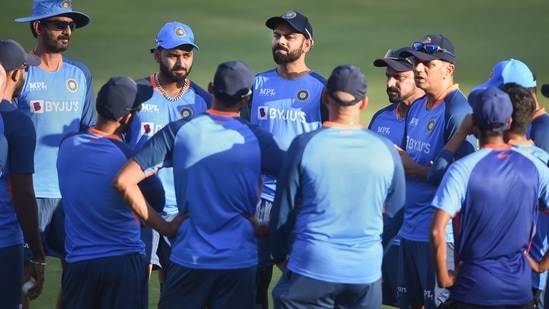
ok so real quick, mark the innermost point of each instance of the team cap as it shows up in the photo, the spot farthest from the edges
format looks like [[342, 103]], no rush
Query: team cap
[[510, 71], [233, 81], [12, 56], [297, 20], [492, 108], [121, 95], [174, 34], [426, 49], [43, 9], [394, 60], [349, 79], [545, 90]]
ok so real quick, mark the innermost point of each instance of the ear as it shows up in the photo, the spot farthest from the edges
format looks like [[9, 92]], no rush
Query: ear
[[35, 25], [307, 45], [156, 55], [450, 68], [210, 88], [14, 75], [324, 98], [126, 119], [363, 103]]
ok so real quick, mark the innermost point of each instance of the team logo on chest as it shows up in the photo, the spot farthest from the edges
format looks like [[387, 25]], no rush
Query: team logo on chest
[[72, 85], [185, 112], [303, 95], [430, 125]]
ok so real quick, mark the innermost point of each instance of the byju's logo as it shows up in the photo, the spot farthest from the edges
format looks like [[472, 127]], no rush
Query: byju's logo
[[37, 106]]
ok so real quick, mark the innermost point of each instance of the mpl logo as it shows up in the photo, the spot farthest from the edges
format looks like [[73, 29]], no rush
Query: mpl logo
[[37, 86], [37, 106], [267, 92]]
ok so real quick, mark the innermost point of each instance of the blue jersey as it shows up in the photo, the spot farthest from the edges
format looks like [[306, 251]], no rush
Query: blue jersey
[[495, 194], [98, 221], [158, 112], [538, 131], [21, 138], [217, 161], [58, 103], [428, 130], [3, 148], [328, 208], [387, 122], [286, 108]]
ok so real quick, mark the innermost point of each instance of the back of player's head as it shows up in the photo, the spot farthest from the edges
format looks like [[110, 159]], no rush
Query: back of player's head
[[233, 81], [120, 96], [492, 109], [524, 106], [346, 80], [13, 56]]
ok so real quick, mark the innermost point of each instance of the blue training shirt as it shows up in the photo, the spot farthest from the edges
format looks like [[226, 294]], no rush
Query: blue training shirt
[[217, 159], [495, 194], [158, 112], [387, 122], [428, 130], [327, 214], [98, 221], [21, 138], [286, 108], [58, 103]]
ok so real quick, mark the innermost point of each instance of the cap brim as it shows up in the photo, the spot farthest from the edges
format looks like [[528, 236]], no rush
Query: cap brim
[[428, 57], [172, 46], [394, 64], [32, 59], [79, 18]]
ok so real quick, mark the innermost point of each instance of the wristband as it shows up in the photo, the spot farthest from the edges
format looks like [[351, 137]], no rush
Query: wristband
[[37, 263]]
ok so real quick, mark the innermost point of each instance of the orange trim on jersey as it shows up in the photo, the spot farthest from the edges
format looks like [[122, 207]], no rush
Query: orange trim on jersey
[[104, 134], [527, 142], [497, 146], [540, 111], [442, 96], [331, 124], [221, 113]]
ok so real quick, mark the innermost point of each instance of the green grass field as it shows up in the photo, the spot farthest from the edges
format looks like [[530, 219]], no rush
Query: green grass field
[[118, 39]]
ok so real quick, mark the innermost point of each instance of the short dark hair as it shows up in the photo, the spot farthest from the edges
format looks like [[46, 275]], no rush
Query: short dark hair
[[524, 106]]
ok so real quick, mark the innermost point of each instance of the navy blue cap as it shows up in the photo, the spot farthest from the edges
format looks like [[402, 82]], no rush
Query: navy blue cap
[[545, 90], [297, 20], [12, 56], [43, 9], [233, 81], [447, 53], [347, 78], [394, 60], [492, 108], [120, 96]]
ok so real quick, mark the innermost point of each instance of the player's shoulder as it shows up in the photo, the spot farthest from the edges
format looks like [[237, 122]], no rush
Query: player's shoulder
[[77, 63]]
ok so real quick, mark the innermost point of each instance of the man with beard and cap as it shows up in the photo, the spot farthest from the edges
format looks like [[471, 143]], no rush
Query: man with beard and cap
[[286, 102], [18, 209], [389, 122], [58, 97], [175, 96]]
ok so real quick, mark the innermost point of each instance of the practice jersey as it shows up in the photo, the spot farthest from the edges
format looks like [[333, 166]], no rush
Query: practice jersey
[[331, 221], [21, 138], [286, 108], [158, 112], [495, 194], [538, 130], [58, 103], [98, 221], [3, 148], [217, 159], [387, 122], [428, 130]]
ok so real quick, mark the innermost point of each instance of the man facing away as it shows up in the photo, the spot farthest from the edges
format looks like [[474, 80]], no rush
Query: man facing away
[[18, 210], [214, 253], [326, 223]]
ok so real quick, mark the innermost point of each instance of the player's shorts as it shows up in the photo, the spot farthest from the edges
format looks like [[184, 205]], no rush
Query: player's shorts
[[297, 291], [454, 304], [389, 271], [205, 288], [150, 238], [417, 283], [11, 270], [51, 222], [109, 282]]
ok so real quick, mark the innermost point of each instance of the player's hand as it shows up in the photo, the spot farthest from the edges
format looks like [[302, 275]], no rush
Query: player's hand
[[446, 282], [282, 265], [260, 229], [172, 226], [535, 265], [35, 271]]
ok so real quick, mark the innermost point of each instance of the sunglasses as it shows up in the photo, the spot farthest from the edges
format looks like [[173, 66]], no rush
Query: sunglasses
[[60, 24], [392, 56], [430, 48]]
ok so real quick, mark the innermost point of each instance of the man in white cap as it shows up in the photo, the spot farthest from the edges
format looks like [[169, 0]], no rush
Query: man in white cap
[[58, 97]]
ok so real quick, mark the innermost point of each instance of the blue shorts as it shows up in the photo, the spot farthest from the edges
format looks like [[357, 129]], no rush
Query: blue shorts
[[150, 238], [417, 283], [389, 271], [205, 288], [300, 292], [11, 270], [110, 282], [51, 222]]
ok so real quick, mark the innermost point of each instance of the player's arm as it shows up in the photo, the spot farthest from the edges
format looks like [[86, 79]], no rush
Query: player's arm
[[411, 168], [437, 235]]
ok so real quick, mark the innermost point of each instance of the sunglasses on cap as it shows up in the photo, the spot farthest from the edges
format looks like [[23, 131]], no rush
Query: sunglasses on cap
[[60, 24], [392, 56], [430, 48]]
